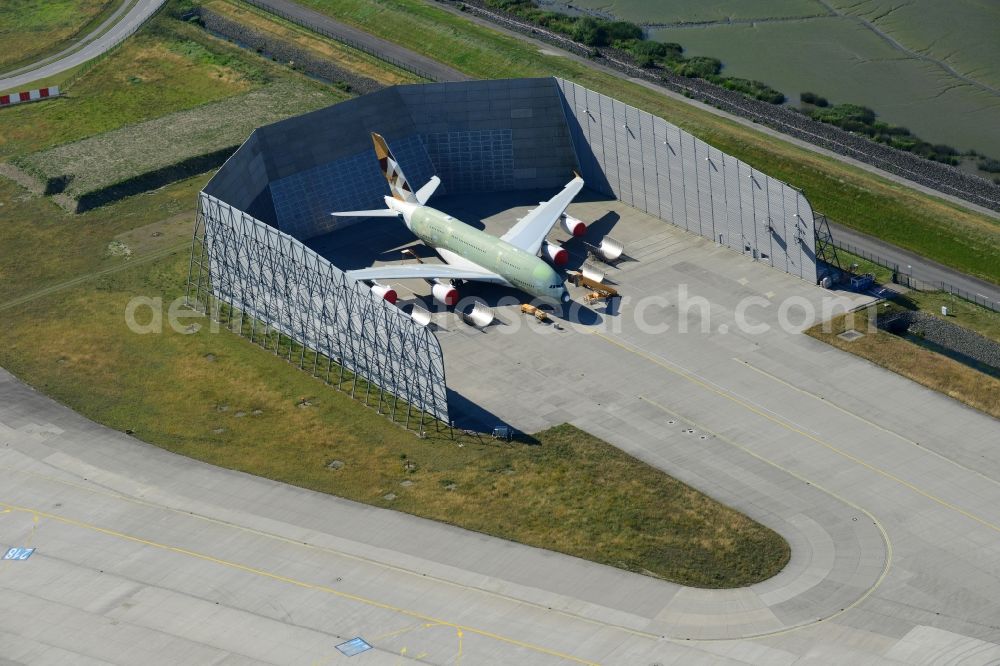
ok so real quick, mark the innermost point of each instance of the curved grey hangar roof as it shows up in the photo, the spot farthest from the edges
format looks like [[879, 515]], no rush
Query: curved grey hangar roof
[[279, 188]]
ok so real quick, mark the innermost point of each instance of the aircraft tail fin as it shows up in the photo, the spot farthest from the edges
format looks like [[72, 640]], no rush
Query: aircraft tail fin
[[400, 189], [425, 192]]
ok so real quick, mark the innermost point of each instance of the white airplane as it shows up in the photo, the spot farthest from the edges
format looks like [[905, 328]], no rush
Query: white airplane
[[468, 253]]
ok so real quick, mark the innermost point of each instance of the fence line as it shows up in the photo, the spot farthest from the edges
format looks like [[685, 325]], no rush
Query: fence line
[[864, 254], [267, 7], [907, 280]]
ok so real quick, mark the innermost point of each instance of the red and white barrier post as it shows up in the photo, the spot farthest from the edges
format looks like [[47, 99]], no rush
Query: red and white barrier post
[[11, 99]]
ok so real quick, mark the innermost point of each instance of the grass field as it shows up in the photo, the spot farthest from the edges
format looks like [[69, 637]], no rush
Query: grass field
[[947, 233], [974, 317], [219, 398], [151, 75], [97, 163], [882, 274], [349, 59], [923, 366], [32, 29], [43, 245]]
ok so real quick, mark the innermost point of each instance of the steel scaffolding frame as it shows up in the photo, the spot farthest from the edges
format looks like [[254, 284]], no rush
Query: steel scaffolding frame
[[270, 288], [826, 251]]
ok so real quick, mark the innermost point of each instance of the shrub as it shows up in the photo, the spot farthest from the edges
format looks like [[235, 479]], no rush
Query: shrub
[[645, 61], [589, 31], [990, 165], [512, 6], [698, 67], [754, 89], [647, 53], [849, 116], [814, 99], [622, 31]]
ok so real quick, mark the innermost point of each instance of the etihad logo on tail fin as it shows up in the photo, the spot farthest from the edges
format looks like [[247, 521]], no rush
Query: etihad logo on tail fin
[[390, 169]]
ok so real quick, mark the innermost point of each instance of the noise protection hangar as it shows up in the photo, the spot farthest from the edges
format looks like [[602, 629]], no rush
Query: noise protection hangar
[[271, 257]]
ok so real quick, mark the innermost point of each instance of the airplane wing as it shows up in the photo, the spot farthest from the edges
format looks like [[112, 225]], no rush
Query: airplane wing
[[424, 272], [532, 229]]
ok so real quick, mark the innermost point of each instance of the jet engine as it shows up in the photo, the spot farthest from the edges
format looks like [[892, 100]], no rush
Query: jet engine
[[384, 291], [444, 293], [555, 253], [573, 226]]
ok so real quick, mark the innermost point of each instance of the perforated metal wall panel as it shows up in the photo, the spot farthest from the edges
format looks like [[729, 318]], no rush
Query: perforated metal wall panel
[[473, 160], [303, 201], [658, 168], [278, 283]]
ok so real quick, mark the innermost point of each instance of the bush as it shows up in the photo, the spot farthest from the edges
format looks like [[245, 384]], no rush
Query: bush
[[181, 9], [814, 99], [513, 6], [555, 21], [199, 53], [754, 89], [698, 67], [849, 116], [589, 31], [990, 165], [645, 61], [647, 53], [623, 31], [657, 50]]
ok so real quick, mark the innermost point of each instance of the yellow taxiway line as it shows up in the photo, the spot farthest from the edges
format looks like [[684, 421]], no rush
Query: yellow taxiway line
[[788, 425], [459, 628]]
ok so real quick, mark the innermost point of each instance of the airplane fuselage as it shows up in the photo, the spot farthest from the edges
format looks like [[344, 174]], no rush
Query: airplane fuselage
[[458, 242]]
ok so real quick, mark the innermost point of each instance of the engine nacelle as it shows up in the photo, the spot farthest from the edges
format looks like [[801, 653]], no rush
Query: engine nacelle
[[384, 291], [444, 293], [555, 253], [573, 226]]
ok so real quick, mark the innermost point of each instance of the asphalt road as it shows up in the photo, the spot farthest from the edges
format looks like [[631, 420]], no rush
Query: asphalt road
[[123, 23], [921, 268], [323, 24]]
